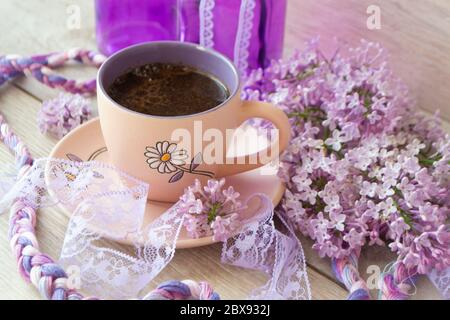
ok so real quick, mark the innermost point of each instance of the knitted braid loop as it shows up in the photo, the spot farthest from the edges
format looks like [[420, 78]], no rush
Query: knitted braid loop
[[398, 283], [182, 290], [20, 151], [393, 285], [41, 68], [346, 271], [34, 266]]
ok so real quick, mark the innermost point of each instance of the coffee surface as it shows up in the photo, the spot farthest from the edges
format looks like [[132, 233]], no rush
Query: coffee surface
[[164, 89]]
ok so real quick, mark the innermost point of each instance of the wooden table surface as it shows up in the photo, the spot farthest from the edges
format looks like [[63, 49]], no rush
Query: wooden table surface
[[416, 32]]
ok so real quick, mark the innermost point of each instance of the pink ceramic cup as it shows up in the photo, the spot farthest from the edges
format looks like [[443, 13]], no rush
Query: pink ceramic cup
[[143, 145]]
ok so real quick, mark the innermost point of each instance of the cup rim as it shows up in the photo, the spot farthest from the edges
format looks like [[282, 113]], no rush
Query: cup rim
[[125, 51]]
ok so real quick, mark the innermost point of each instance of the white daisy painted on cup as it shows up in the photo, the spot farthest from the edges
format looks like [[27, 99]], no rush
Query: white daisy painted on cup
[[165, 157]]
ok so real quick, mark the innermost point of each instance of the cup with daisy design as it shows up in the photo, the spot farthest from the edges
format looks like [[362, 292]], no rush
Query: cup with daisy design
[[171, 152]]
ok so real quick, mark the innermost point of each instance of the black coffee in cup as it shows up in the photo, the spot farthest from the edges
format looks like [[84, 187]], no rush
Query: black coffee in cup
[[164, 89]]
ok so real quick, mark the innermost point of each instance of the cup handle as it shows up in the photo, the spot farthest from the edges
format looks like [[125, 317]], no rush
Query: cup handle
[[258, 109]]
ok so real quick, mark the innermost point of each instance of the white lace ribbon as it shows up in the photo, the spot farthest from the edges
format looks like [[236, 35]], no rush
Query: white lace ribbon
[[206, 20], [245, 25], [244, 34], [109, 204], [441, 280]]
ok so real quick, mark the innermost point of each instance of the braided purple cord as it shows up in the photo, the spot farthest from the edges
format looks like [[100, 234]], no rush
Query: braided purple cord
[[397, 284], [34, 266], [13, 142], [393, 286], [182, 290], [40, 67], [346, 271]]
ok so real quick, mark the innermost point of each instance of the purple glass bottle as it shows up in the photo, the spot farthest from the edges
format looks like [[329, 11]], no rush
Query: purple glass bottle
[[250, 32], [123, 23]]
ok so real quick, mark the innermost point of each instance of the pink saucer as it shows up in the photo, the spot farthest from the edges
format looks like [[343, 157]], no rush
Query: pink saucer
[[86, 143]]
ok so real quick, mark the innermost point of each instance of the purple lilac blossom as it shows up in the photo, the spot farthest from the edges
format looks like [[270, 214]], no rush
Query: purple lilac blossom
[[60, 115], [211, 210], [364, 166]]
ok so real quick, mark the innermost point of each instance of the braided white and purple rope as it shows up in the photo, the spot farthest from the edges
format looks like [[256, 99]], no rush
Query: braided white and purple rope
[[34, 266], [41, 68], [41, 270], [346, 271], [393, 285]]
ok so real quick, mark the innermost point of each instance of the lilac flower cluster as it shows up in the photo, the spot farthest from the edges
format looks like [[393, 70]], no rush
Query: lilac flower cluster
[[60, 115], [363, 167], [211, 210]]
